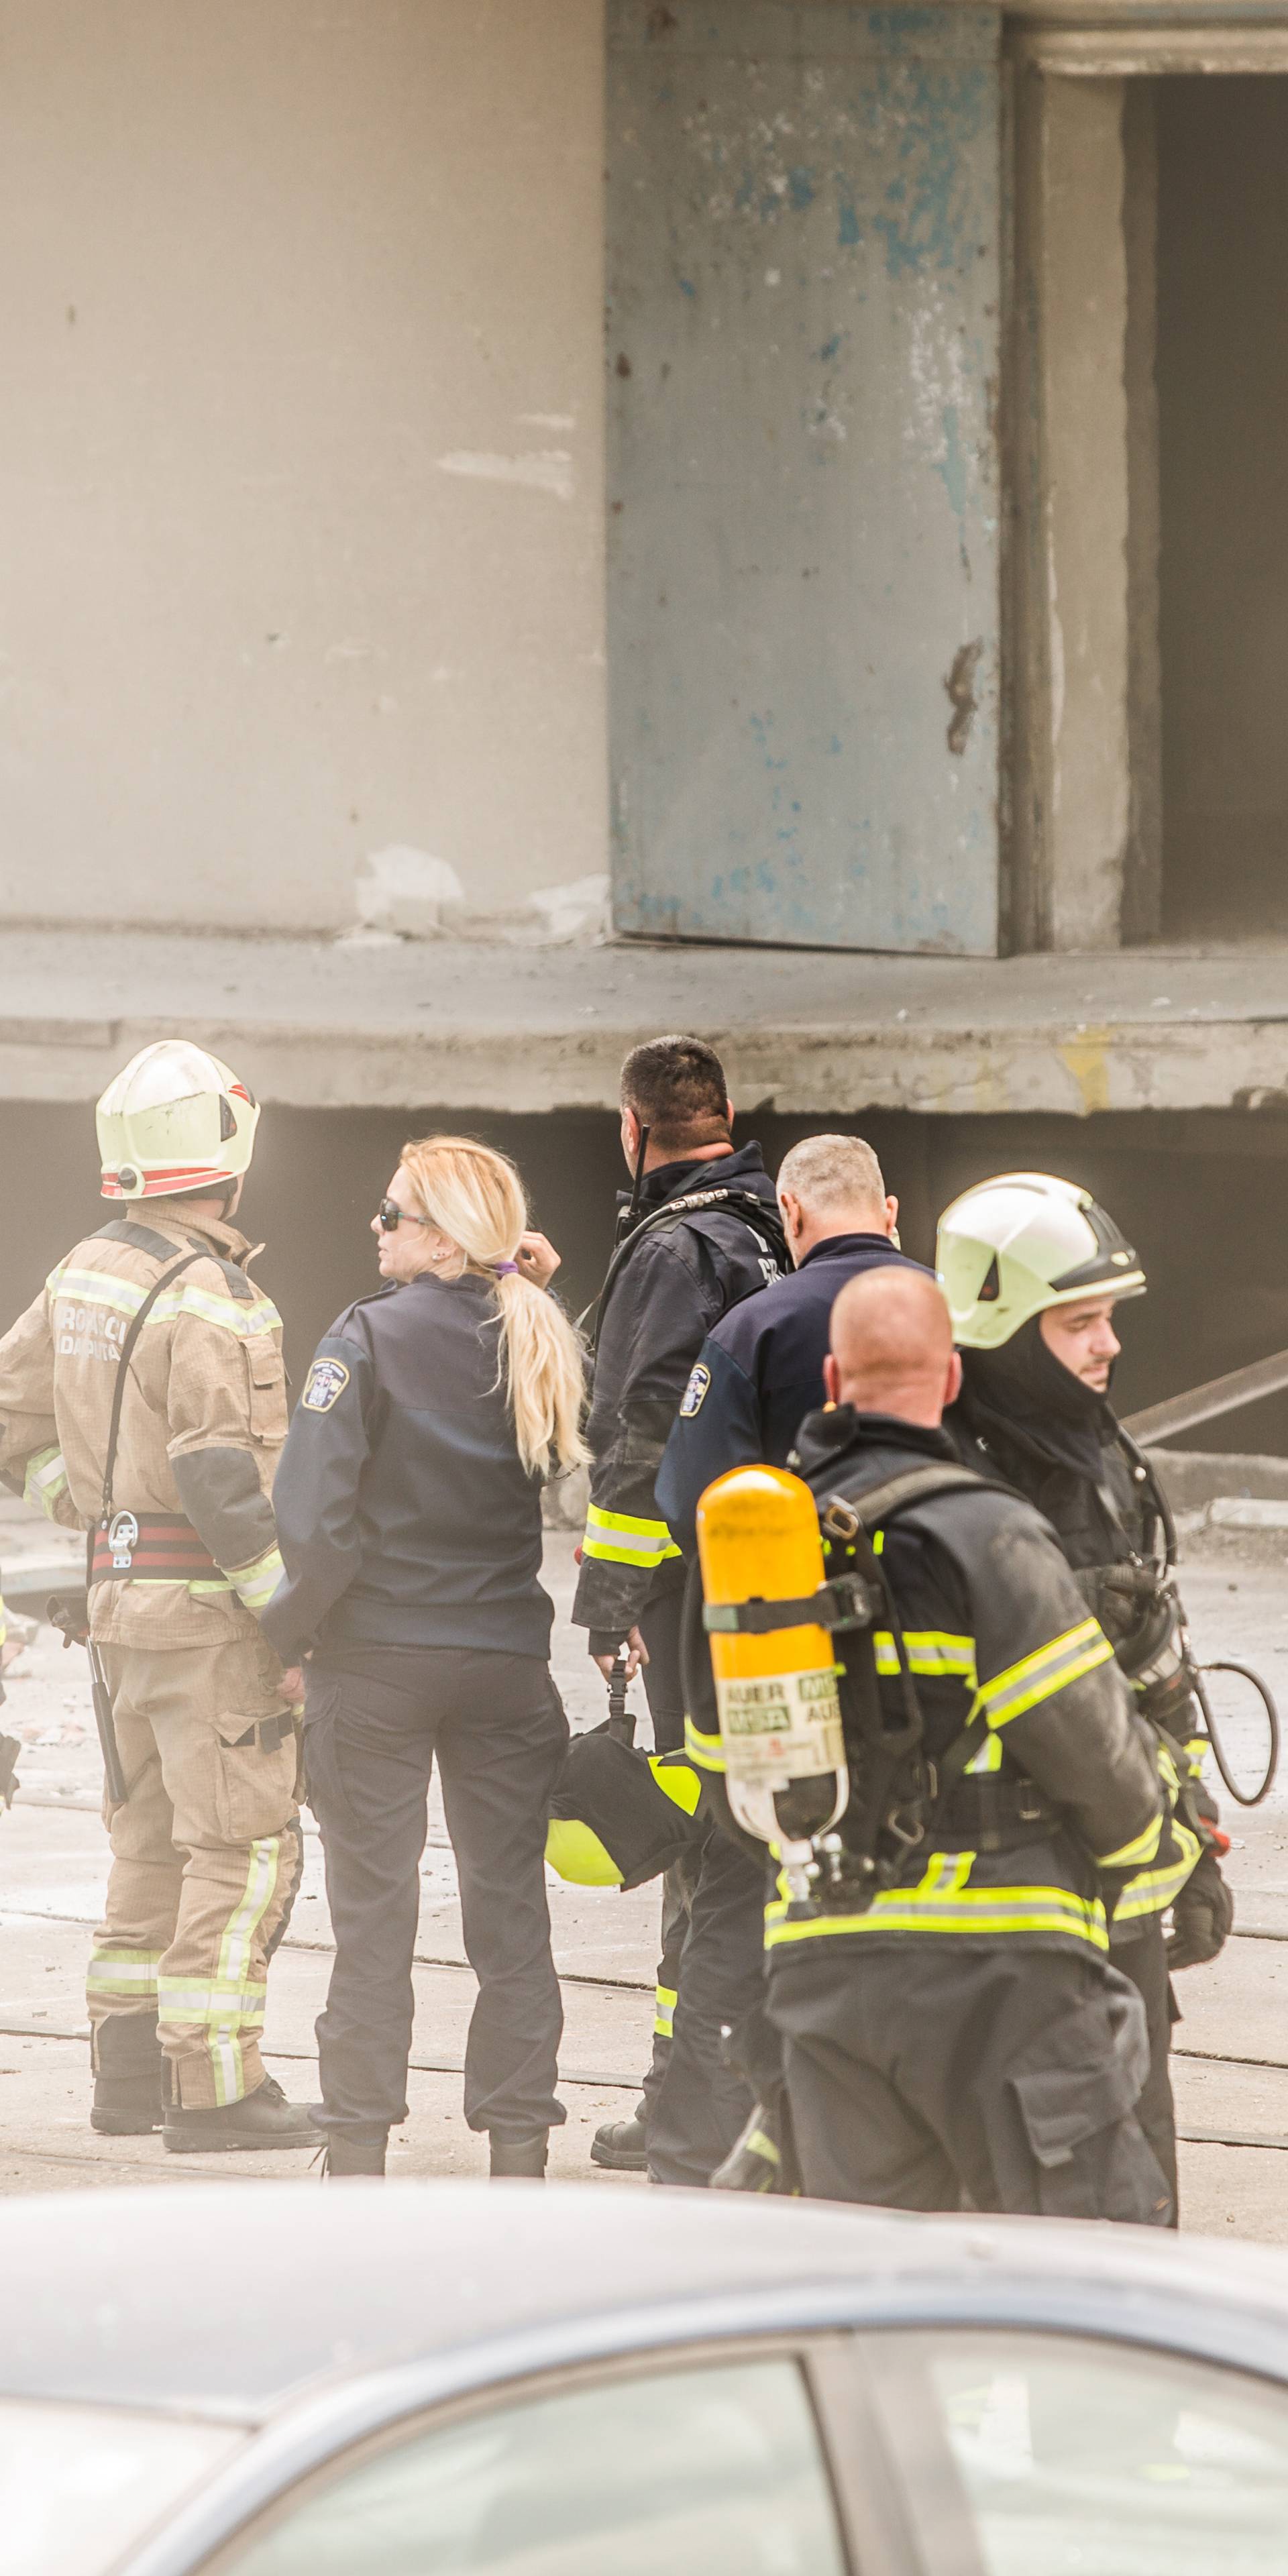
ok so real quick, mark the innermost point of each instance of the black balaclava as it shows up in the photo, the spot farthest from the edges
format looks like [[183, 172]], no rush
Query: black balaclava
[[1031, 1396]]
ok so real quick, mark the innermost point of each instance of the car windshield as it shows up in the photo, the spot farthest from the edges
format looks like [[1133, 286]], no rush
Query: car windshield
[[80, 2482]]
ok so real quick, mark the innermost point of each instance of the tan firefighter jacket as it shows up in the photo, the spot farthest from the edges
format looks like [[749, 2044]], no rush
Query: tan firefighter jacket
[[202, 1419]]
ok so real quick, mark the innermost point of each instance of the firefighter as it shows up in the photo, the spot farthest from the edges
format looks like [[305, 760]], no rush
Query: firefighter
[[761, 1370], [1034, 1272], [953, 2032], [699, 1231], [150, 1339]]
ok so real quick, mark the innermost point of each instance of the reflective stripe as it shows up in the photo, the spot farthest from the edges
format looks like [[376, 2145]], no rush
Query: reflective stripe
[[103, 1288], [622, 1538], [45, 1481], [1050, 1669], [988, 1758], [1142, 1847], [664, 2000], [676, 1781], [183, 2000], [123, 1972], [255, 1584], [706, 1750], [931, 1651], [756, 2143], [943, 1902], [235, 1950], [1155, 1889]]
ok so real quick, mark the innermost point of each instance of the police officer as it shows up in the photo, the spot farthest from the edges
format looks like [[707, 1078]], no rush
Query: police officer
[[1034, 1271], [699, 1232], [761, 1370], [952, 2029], [409, 1505], [151, 1340]]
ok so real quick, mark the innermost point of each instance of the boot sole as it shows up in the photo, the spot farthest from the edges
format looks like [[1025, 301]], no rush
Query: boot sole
[[618, 2159], [234, 2142], [119, 2124]]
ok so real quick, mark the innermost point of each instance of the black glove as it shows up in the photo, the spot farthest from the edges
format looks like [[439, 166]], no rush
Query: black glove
[[1201, 1916], [764, 2157]]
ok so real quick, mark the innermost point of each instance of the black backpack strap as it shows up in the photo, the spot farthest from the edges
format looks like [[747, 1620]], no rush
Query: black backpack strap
[[759, 1215], [135, 1327]]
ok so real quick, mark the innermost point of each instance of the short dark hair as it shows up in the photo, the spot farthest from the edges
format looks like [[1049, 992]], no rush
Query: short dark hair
[[677, 1089]]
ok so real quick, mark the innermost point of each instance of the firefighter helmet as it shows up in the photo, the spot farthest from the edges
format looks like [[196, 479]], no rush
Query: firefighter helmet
[[1009, 1248], [175, 1119]]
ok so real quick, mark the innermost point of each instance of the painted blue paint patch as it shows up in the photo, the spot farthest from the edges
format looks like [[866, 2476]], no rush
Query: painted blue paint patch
[[800, 188], [848, 233], [952, 465], [933, 222], [687, 286], [830, 348], [835, 745]]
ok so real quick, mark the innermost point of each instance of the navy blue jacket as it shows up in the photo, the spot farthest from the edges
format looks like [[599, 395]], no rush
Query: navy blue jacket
[[759, 1372], [404, 1514]]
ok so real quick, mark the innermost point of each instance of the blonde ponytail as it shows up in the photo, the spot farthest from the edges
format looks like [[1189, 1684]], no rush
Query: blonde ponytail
[[475, 1197]]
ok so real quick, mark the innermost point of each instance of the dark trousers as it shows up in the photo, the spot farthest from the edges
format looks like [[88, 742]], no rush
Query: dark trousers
[[1144, 1960], [937, 2077], [711, 1973], [375, 1720]]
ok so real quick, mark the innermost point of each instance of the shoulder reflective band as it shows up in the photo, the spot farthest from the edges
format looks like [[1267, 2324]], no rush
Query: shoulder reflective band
[[1049, 1669]]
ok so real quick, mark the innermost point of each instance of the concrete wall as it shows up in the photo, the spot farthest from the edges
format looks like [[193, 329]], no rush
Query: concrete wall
[[804, 230], [300, 459]]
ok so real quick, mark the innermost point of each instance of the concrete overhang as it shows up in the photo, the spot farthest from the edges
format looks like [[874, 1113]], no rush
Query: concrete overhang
[[409, 1024]]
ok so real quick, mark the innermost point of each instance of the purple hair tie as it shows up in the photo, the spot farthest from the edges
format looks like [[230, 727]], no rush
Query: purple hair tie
[[501, 1268]]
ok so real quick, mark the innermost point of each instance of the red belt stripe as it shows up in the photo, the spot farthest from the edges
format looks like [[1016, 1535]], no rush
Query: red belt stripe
[[167, 1550]]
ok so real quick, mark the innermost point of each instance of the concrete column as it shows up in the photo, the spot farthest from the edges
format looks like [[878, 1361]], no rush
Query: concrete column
[[1084, 596]]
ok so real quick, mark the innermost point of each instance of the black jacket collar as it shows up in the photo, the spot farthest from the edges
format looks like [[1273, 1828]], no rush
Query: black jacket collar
[[743, 1170], [835, 1244], [839, 1436]]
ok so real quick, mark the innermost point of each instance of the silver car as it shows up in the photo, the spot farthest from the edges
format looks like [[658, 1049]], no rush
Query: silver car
[[449, 2379]]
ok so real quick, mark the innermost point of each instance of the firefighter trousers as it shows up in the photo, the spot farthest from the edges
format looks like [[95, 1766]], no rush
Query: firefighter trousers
[[1144, 1960], [710, 1974], [934, 2076], [205, 1857]]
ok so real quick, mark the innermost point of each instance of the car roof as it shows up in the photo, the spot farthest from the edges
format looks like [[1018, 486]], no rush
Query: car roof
[[231, 2299]]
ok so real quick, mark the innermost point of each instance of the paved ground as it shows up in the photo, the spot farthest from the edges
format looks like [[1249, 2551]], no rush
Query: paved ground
[[388, 1022], [1231, 2066]]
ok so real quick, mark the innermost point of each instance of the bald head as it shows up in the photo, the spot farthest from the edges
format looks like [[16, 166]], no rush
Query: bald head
[[892, 1346]]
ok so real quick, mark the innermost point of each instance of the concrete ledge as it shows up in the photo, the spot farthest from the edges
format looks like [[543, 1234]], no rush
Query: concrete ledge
[[402, 1024], [1192, 1478]]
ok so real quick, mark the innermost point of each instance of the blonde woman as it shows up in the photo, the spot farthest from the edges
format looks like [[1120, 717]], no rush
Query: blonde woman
[[408, 1506]]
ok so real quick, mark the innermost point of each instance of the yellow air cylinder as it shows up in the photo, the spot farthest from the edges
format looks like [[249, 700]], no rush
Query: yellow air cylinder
[[780, 1717]]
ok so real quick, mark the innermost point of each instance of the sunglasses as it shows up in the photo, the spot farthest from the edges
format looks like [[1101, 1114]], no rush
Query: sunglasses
[[392, 1216]]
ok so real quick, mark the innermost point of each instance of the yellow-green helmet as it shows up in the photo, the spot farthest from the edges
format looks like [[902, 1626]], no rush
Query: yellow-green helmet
[[1009, 1248]]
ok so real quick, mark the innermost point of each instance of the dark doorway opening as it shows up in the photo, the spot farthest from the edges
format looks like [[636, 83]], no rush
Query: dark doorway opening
[[1222, 376]]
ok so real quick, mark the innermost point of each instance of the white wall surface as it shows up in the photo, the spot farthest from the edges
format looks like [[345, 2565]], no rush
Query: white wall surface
[[300, 460]]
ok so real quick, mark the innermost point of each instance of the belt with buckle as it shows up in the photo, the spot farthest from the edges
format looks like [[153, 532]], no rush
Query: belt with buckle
[[151, 1547]]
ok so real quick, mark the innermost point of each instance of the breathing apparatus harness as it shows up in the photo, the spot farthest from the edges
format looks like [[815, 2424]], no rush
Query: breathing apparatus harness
[[759, 1215], [839, 1783]]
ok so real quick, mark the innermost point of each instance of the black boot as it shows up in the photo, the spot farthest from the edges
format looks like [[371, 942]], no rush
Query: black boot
[[620, 2146], [519, 2159], [264, 2119], [127, 2076], [347, 2155]]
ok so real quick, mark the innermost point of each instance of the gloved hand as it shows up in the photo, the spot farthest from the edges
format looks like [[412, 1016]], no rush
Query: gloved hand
[[1201, 1916], [764, 2157]]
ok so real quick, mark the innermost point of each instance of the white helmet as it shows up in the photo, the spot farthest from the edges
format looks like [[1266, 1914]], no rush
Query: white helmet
[[1011, 1247], [175, 1119]]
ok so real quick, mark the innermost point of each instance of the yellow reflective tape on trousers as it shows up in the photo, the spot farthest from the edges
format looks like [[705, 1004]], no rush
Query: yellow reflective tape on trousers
[[706, 1750], [624, 1538], [1040, 1675], [664, 2000], [676, 1781], [124, 1297], [235, 1951], [123, 1972]]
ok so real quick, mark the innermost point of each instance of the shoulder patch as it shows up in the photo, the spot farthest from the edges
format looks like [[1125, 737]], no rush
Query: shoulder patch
[[691, 1400], [325, 1381]]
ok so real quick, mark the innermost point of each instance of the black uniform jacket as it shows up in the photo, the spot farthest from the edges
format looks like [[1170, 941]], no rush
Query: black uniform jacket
[[404, 1514], [998, 1637], [675, 1285], [758, 1375]]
